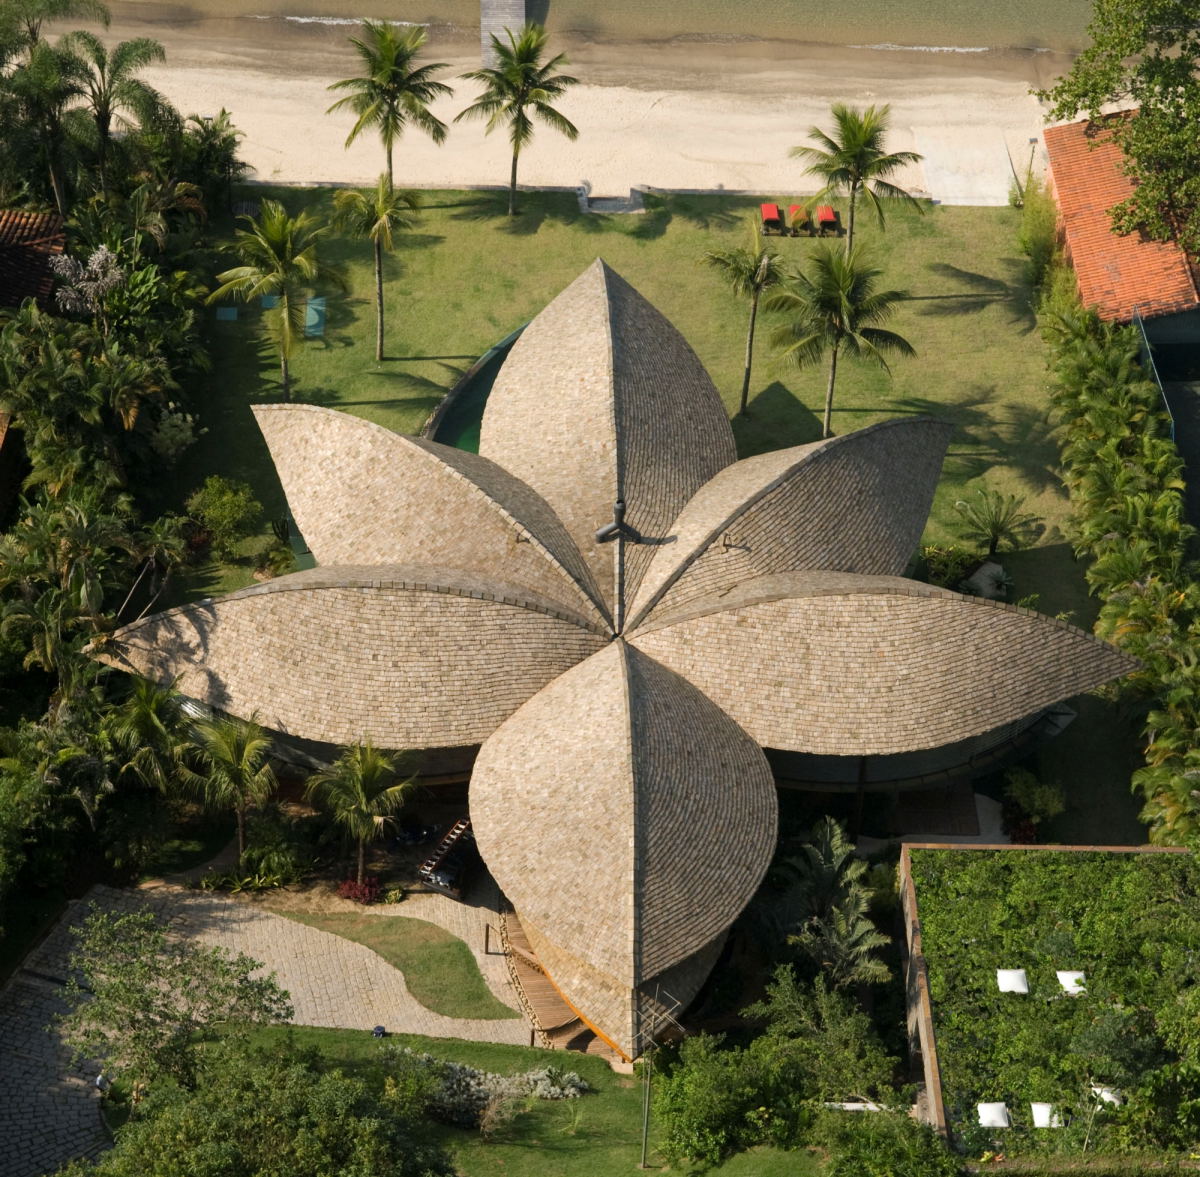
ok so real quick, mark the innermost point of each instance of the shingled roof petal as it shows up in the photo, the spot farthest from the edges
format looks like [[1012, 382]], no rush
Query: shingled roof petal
[[361, 494], [844, 665], [603, 399], [625, 811], [856, 503], [627, 1018], [406, 656]]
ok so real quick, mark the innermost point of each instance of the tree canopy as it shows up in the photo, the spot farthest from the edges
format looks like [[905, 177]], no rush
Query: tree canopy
[[1145, 54]]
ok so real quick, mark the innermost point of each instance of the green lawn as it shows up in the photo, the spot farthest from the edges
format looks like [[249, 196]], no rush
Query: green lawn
[[596, 1136], [438, 967], [469, 275]]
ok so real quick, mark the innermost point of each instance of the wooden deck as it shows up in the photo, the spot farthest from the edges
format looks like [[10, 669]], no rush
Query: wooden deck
[[557, 1020]]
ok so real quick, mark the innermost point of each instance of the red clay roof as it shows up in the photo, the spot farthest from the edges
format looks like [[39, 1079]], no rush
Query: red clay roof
[[27, 241], [1116, 272]]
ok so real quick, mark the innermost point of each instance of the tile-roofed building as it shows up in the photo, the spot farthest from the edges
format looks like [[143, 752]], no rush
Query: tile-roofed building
[[1117, 273], [620, 689], [27, 243]]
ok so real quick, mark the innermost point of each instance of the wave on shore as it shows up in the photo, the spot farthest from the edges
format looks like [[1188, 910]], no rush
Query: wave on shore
[[336, 20]]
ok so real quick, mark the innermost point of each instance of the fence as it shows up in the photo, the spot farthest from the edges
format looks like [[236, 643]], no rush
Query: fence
[[1150, 366]]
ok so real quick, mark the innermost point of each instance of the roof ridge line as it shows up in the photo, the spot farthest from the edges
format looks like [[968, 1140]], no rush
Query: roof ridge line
[[636, 880]]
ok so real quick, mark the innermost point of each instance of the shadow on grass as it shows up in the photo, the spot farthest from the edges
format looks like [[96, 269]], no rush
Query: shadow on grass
[[979, 291], [776, 420]]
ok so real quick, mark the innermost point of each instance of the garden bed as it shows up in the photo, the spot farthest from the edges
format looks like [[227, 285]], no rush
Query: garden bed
[[1118, 1061]]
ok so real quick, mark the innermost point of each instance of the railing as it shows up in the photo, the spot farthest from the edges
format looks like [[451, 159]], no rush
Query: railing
[[510, 963], [1150, 366]]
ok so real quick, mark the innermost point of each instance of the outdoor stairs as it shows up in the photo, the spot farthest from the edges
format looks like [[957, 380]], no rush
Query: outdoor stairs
[[452, 835]]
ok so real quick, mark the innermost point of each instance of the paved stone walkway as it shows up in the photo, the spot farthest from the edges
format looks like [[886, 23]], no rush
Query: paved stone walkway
[[49, 1112]]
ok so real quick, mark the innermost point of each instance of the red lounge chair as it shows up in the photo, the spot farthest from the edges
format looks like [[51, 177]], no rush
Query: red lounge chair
[[798, 221], [772, 219], [827, 220]]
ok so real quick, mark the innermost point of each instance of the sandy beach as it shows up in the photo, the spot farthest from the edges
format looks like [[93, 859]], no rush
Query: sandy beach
[[706, 114]]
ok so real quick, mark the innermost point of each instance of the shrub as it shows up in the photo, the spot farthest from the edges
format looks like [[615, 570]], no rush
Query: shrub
[[467, 1097], [227, 510], [882, 1144], [946, 567], [1038, 800], [365, 892], [1039, 230]]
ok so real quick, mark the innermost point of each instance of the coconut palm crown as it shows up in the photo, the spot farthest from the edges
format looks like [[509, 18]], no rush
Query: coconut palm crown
[[852, 161]]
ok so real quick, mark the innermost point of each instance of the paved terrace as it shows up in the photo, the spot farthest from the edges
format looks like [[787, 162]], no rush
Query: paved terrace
[[50, 1114]]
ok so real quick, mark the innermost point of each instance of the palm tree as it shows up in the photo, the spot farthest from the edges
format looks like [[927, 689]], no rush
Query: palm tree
[[361, 792], [110, 87], [43, 88], [376, 216], [833, 306], [234, 773], [147, 729], [521, 86], [32, 14], [749, 272], [279, 258], [998, 519], [852, 160], [392, 91]]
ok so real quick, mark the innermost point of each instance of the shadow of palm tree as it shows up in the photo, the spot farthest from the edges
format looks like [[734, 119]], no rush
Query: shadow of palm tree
[[775, 421], [976, 291]]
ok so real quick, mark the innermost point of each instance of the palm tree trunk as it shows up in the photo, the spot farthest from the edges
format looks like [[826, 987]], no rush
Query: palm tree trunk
[[826, 430], [744, 411], [850, 218], [283, 376], [391, 182], [378, 301], [60, 200], [362, 860], [512, 188], [241, 832]]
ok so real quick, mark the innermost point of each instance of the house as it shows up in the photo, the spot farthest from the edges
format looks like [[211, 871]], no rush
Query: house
[[27, 243]]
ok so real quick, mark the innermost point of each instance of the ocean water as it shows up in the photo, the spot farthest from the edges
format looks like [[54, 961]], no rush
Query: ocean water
[[943, 26]]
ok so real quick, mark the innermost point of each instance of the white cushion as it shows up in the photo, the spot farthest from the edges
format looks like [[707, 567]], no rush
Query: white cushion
[[1044, 1115], [1012, 981], [1107, 1094], [1072, 983], [993, 1115]]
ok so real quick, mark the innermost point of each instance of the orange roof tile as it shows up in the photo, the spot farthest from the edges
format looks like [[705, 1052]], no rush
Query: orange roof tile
[[27, 241], [1116, 272]]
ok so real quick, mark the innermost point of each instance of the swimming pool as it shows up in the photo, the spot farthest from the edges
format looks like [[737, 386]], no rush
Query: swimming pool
[[457, 419]]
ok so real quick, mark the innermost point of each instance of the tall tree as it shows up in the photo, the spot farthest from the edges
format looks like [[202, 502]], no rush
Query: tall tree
[[43, 88], [376, 216], [1145, 54], [520, 88], [749, 271], [833, 306], [110, 89], [852, 161], [361, 792], [32, 14], [392, 91], [233, 772], [280, 259]]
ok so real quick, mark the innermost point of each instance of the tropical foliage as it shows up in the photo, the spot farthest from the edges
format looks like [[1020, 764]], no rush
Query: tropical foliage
[[749, 271], [519, 89], [1129, 923], [1145, 55], [281, 264], [376, 216], [143, 999], [994, 520], [1126, 483], [832, 307], [392, 92], [852, 161], [362, 792]]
